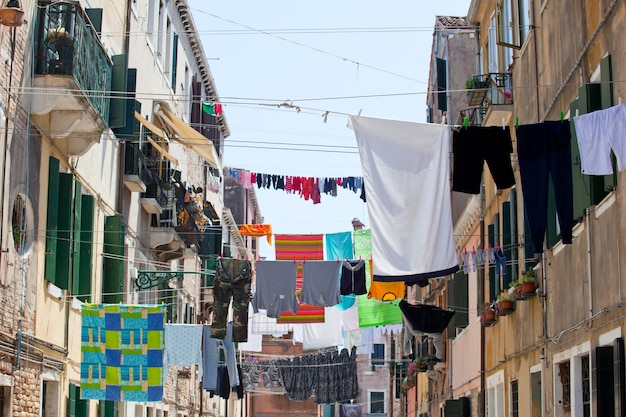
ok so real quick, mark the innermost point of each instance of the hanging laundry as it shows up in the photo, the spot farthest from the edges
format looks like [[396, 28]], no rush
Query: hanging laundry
[[212, 108], [543, 151], [270, 374], [406, 168], [300, 248], [251, 374], [353, 278], [275, 287], [372, 312], [339, 245], [233, 279], [322, 335], [183, 347], [475, 145], [320, 286], [500, 262], [124, 340], [384, 290], [426, 318], [256, 230], [599, 133], [211, 356]]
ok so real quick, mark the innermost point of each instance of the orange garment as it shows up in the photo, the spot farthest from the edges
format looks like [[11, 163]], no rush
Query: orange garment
[[384, 291], [256, 230]]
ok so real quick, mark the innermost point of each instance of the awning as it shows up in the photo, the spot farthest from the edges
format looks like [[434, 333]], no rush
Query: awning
[[160, 134], [162, 151], [189, 137]]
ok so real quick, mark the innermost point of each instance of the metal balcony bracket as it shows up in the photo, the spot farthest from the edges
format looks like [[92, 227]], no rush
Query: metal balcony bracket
[[150, 279]]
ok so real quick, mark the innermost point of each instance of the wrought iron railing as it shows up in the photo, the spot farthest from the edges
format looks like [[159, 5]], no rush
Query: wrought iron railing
[[68, 45], [489, 89], [472, 116]]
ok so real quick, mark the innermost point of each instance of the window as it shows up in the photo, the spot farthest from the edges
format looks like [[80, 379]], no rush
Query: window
[[76, 406], [536, 393], [458, 300], [378, 356], [495, 395], [492, 45], [5, 401], [513, 22], [159, 34], [514, 399], [50, 398], [586, 384], [564, 378], [167, 62], [69, 233], [377, 402], [151, 13]]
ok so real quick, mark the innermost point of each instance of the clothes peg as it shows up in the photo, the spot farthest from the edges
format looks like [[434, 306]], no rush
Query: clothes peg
[[561, 116], [503, 124], [516, 122], [577, 112], [619, 100], [465, 122]]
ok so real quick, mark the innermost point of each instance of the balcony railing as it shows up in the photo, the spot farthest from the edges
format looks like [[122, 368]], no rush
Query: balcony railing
[[494, 88], [68, 45]]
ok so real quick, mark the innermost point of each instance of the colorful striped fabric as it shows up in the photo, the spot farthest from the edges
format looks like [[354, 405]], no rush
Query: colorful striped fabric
[[122, 352], [371, 311], [300, 248]]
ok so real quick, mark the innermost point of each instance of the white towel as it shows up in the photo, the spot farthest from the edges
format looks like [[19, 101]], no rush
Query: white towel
[[406, 175]]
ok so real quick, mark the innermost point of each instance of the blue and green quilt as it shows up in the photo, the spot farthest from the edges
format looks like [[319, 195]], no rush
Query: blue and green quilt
[[122, 352]]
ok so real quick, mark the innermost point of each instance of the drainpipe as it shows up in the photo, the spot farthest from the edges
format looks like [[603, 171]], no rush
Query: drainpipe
[[543, 381], [589, 275]]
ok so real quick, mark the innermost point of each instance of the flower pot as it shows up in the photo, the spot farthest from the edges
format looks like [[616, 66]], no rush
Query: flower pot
[[505, 307], [488, 318], [11, 16], [527, 290]]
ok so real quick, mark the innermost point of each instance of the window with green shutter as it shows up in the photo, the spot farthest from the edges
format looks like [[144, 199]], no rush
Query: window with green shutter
[[82, 282], [76, 407], [113, 260], [458, 300], [491, 238], [107, 409], [65, 236], [52, 221]]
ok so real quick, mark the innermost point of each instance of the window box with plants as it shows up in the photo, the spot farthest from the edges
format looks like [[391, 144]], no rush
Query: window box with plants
[[488, 316], [528, 285], [505, 304], [476, 90]]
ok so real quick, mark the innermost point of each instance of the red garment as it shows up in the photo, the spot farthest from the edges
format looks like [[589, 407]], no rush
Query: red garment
[[316, 196]]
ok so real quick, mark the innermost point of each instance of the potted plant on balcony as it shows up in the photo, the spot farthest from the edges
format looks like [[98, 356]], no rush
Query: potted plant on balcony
[[12, 14], [517, 287], [476, 90], [61, 44], [528, 285], [505, 304]]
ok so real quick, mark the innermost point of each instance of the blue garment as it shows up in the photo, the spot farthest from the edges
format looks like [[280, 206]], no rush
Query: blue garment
[[500, 262], [543, 151], [339, 246], [183, 346], [211, 358]]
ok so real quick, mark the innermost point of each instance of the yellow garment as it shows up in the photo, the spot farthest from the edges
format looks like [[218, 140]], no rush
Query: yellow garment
[[384, 291], [256, 230]]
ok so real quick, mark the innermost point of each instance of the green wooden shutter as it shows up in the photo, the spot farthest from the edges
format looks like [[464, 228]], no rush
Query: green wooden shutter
[[442, 102], [507, 242], [52, 220], [606, 100], [71, 402], [552, 235], [602, 377], [529, 249], [76, 234], [64, 243], [82, 285], [590, 99], [174, 60], [76, 407], [95, 17], [514, 238], [130, 130], [108, 409], [113, 262], [117, 114], [458, 301], [491, 238]]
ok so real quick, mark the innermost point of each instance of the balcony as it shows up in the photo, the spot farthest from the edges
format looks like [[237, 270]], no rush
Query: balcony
[[135, 167], [73, 74], [492, 95]]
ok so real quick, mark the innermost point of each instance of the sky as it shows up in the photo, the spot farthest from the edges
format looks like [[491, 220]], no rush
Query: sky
[[341, 57]]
